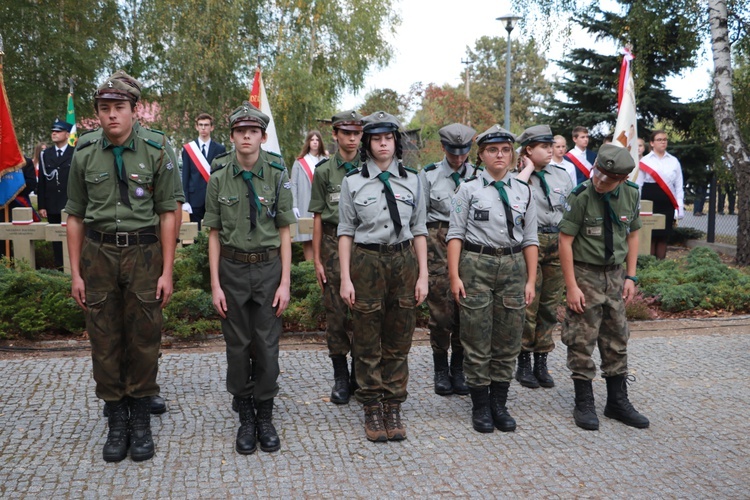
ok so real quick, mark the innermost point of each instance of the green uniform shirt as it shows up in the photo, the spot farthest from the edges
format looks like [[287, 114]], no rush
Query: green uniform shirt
[[158, 136], [228, 202], [326, 188], [93, 185], [584, 218]]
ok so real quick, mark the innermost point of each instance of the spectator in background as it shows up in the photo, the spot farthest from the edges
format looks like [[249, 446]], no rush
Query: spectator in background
[[303, 170], [558, 158], [641, 148]]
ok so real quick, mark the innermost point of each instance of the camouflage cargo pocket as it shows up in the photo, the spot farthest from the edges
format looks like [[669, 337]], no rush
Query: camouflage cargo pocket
[[367, 306], [476, 301], [514, 302]]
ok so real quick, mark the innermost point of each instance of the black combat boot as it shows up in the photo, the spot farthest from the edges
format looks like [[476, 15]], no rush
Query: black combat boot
[[524, 374], [353, 385], [269, 439], [481, 417], [340, 393], [141, 442], [245, 443], [618, 405], [458, 380], [500, 416], [443, 385], [540, 370], [584, 413], [116, 447], [157, 405]]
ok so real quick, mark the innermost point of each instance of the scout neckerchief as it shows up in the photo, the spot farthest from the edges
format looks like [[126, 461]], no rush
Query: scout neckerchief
[[456, 178], [500, 186], [122, 173], [545, 186], [348, 165], [247, 175], [390, 199], [610, 218]]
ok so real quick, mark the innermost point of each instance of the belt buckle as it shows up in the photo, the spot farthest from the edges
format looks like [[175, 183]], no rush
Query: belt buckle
[[390, 248], [121, 239], [253, 258], [499, 252]]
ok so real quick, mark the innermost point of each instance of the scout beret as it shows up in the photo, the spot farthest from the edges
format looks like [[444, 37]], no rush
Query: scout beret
[[615, 161], [456, 138], [347, 120], [248, 115], [537, 133], [119, 87], [60, 125], [380, 122], [495, 134]]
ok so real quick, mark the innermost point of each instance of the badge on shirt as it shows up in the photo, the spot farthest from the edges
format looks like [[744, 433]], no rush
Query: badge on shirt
[[139, 192], [287, 185], [170, 166], [519, 220], [482, 215], [134, 177], [334, 197], [594, 231], [142, 166]]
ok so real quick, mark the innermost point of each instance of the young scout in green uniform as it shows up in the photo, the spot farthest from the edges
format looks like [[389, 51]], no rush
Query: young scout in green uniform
[[551, 186], [384, 278], [324, 204], [120, 188], [439, 183], [493, 234], [249, 210], [598, 232]]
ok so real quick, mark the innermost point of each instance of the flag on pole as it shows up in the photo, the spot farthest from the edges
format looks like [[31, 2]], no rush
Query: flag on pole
[[70, 117], [259, 100], [11, 158], [626, 129]]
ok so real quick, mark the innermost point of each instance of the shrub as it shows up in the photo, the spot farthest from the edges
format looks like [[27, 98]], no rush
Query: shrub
[[680, 235]]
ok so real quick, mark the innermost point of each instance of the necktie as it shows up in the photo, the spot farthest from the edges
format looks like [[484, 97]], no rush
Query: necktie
[[390, 199], [456, 178], [203, 150], [59, 153], [500, 186], [254, 202], [545, 186], [121, 175], [609, 219]]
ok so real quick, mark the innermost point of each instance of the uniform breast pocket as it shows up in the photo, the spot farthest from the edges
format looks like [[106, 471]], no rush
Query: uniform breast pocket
[[519, 215], [266, 204], [99, 186], [333, 194], [141, 186], [405, 203], [366, 207], [440, 204], [593, 227], [230, 211], [480, 211]]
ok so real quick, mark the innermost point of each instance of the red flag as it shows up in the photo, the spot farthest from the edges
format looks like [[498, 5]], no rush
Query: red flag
[[259, 99], [11, 158]]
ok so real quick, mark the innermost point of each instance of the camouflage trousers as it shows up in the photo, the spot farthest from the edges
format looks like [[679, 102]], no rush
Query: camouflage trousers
[[602, 323], [541, 314], [123, 317], [444, 320], [384, 316], [251, 329], [492, 315], [338, 336]]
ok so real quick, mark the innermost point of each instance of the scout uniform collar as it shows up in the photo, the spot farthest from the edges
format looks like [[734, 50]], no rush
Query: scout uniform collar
[[615, 193], [340, 161], [257, 169], [129, 143], [448, 170], [372, 170], [488, 179]]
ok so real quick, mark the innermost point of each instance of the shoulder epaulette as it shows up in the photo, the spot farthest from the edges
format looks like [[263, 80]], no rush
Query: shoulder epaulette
[[153, 144], [325, 159], [222, 155], [276, 164], [558, 166], [216, 167], [352, 172], [472, 178], [154, 130], [97, 129], [431, 166], [85, 144], [273, 154], [522, 182], [631, 184], [579, 189], [413, 171]]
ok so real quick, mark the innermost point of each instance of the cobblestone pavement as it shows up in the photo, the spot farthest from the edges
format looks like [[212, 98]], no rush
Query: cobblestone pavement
[[694, 388]]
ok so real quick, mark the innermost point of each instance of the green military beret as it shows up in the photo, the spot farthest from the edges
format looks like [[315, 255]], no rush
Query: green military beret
[[615, 161], [380, 122], [495, 134], [119, 87], [248, 115], [347, 120], [456, 138], [537, 133]]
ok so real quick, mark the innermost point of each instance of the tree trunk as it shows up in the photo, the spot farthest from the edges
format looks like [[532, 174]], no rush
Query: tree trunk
[[734, 147]]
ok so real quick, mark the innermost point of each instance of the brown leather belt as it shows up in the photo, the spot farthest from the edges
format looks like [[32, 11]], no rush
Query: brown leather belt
[[122, 239], [437, 225], [249, 257], [329, 229], [485, 250], [382, 248], [598, 267]]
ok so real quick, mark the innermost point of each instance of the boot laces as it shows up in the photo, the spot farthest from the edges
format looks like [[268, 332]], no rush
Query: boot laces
[[624, 400], [373, 418], [246, 410], [392, 416]]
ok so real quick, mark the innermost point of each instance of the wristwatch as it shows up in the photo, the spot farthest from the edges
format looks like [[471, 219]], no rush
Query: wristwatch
[[634, 279]]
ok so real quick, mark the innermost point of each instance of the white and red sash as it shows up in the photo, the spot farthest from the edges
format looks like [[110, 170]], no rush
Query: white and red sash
[[660, 182], [306, 168], [586, 171], [199, 160]]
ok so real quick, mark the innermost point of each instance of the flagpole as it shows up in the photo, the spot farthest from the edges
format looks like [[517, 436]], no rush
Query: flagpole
[[7, 205]]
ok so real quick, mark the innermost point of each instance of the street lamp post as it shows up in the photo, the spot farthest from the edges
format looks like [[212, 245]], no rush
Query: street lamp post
[[510, 22]]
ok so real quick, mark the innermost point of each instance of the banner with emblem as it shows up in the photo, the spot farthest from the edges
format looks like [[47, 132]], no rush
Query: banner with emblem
[[70, 117], [11, 157], [626, 129], [259, 100]]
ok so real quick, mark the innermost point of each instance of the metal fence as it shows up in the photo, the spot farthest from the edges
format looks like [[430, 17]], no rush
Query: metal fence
[[716, 216]]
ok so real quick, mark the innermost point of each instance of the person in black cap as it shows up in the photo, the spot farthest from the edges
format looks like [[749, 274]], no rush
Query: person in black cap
[[492, 258], [384, 278], [54, 168], [440, 182], [550, 188]]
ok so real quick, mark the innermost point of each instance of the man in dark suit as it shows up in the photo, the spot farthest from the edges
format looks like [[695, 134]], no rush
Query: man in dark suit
[[197, 156], [54, 167], [580, 156]]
